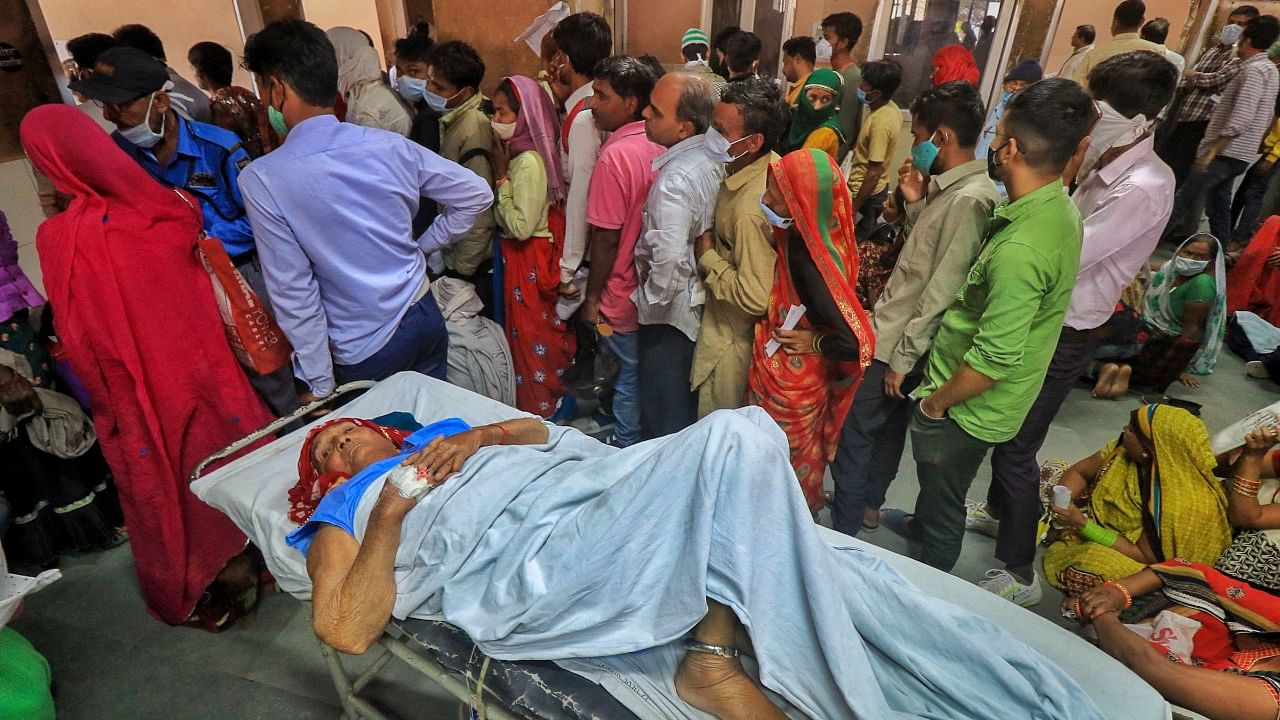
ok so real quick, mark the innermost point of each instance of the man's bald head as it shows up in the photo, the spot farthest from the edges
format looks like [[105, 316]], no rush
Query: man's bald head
[[680, 107]]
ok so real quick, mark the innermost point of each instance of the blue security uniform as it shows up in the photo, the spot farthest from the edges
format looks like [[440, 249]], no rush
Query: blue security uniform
[[207, 164]]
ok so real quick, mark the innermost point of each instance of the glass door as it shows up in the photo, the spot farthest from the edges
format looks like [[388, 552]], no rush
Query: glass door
[[911, 31]]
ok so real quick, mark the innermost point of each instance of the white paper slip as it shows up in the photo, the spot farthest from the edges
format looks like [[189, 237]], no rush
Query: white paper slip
[[1233, 436], [789, 323]]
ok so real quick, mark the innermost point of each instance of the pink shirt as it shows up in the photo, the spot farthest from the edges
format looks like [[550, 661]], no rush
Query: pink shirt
[[1125, 205], [619, 185]]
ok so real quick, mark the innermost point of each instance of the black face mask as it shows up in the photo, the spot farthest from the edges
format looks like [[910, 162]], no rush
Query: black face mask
[[992, 165]]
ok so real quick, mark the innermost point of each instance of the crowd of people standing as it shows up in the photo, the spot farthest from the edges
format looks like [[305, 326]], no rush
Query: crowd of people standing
[[712, 239]]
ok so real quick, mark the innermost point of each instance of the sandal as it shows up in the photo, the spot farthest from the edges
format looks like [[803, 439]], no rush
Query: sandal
[[866, 527], [901, 523]]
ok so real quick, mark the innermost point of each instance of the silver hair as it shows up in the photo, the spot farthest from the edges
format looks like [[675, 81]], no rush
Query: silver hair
[[697, 101]]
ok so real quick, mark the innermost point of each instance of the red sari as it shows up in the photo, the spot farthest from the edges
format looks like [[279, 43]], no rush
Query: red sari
[[1252, 284], [542, 345], [810, 394], [138, 323]]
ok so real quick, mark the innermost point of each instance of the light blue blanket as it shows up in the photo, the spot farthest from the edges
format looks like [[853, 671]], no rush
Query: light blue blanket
[[576, 550]]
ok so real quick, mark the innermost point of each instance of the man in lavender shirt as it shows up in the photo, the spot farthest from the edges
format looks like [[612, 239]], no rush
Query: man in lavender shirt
[[1125, 195], [332, 213]]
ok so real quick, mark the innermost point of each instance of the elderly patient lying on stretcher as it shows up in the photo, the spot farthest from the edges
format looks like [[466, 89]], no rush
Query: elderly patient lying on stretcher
[[542, 543]]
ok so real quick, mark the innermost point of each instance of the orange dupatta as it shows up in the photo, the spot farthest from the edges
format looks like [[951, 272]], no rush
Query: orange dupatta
[[810, 394]]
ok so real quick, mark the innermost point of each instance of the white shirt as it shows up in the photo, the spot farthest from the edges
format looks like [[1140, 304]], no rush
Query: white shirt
[[1177, 60], [1069, 67], [1125, 205], [578, 162]]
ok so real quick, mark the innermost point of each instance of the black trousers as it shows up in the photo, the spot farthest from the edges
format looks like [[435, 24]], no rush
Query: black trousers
[[870, 450], [667, 403], [1014, 495], [1178, 149]]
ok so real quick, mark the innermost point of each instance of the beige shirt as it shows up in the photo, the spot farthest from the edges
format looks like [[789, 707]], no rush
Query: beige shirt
[[876, 142], [738, 277], [1118, 45], [465, 131], [373, 104], [1068, 70], [944, 233]]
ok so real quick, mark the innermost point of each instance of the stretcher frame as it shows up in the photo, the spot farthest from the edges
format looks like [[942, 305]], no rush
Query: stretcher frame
[[395, 642]]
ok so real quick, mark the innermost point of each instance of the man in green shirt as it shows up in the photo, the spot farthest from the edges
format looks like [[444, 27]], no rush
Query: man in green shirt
[[842, 31], [992, 351]]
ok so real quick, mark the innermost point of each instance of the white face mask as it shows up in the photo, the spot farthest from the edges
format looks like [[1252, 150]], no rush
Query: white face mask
[[1186, 267], [718, 146], [503, 131], [1111, 130], [1230, 34], [823, 50], [141, 134]]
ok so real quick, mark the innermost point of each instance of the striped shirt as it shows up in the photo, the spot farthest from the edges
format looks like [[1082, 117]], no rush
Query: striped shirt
[[1217, 66], [1246, 109]]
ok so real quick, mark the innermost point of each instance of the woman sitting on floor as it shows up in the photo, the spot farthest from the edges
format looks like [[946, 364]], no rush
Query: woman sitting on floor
[[1234, 670], [1254, 554], [1149, 496], [541, 543], [1179, 332]]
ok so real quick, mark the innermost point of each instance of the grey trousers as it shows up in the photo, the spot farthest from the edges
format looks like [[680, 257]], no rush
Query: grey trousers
[[947, 461]]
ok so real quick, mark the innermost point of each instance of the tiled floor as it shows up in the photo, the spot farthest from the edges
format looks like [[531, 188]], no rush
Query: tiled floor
[[111, 660]]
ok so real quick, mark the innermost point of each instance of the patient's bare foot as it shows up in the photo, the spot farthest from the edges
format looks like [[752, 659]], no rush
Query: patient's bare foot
[[720, 687], [1106, 380]]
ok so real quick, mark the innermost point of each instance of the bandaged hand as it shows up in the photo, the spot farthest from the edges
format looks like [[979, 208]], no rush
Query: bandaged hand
[[444, 456]]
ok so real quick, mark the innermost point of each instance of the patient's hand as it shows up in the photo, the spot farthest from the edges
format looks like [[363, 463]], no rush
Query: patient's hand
[[445, 456]]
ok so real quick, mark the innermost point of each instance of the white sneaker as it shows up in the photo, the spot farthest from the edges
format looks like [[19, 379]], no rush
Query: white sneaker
[[978, 519], [1004, 584], [1255, 369]]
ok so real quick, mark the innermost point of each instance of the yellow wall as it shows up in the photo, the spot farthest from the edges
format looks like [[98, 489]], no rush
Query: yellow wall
[[491, 28], [180, 24], [655, 27], [809, 12], [1098, 14], [358, 14]]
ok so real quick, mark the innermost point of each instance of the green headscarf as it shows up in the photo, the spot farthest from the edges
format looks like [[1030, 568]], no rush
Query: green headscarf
[[806, 118]]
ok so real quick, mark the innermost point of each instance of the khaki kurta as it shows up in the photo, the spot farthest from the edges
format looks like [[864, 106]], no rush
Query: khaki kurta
[[465, 132], [738, 276]]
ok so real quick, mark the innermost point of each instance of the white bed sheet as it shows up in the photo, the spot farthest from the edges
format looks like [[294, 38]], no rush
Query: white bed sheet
[[253, 492]]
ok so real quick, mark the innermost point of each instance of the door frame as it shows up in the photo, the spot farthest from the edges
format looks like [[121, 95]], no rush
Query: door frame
[[747, 21], [1006, 21]]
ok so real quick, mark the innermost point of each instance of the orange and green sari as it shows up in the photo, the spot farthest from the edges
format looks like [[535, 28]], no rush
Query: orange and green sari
[[810, 394]]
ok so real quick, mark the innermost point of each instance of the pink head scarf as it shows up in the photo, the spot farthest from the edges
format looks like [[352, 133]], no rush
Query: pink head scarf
[[538, 129]]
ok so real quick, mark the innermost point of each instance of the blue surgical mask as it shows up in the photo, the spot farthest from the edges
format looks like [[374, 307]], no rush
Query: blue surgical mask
[[412, 89], [1230, 34], [774, 218], [862, 97], [436, 102], [718, 146], [924, 155], [1186, 267], [141, 134], [1004, 96]]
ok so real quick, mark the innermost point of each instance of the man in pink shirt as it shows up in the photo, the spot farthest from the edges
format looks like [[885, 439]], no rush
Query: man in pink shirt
[[619, 185], [1125, 195]]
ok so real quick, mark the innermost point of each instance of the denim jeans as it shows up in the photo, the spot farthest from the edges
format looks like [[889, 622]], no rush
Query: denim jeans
[[420, 343], [1214, 185], [871, 445], [626, 389], [947, 460], [1247, 204]]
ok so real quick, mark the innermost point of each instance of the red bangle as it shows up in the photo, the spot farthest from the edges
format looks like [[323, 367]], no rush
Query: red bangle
[[506, 434], [1128, 599]]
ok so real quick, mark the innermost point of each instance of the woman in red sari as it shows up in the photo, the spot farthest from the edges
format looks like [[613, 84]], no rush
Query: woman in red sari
[[1254, 283], [137, 320], [808, 385], [529, 207]]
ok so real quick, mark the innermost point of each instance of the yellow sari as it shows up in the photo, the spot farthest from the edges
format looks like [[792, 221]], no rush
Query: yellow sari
[[1177, 503]]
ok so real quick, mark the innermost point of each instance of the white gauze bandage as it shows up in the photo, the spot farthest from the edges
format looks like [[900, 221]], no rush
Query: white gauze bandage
[[409, 481]]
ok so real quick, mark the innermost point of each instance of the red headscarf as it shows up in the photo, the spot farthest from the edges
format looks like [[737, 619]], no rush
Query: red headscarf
[[955, 62], [537, 126], [313, 484], [140, 327]]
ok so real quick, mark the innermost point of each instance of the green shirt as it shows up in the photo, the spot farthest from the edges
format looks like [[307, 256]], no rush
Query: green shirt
[[1006, 318], [520, 204], [850, 113], [1199, 289]]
